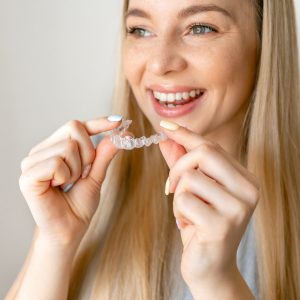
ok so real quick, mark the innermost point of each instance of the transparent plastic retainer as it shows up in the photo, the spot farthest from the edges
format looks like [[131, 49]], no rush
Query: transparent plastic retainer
[[129, 142]]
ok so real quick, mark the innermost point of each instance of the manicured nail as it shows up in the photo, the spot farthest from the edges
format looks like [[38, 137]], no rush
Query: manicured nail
[[67, 188], [115, 118], [86, 171], [169, 125], [178, 224], [167, 187]]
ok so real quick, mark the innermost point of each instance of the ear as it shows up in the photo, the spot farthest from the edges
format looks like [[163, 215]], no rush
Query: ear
[[171, 151]]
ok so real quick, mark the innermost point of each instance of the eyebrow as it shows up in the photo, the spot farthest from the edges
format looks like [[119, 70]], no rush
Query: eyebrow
[[135, 12], [186, 12], [195, 9]]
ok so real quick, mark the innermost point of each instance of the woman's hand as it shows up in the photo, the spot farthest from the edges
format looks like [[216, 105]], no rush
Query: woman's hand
[[214, 198], [63, 218]]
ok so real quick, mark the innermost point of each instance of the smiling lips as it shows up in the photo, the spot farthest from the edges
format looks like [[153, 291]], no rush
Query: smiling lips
[[174, 101], [171, 100]]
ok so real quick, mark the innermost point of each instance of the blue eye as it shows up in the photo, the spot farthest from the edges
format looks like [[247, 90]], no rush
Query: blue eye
[[139, 32], [198, 29]]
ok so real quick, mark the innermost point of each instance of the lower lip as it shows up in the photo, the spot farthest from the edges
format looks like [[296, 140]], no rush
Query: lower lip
[[178, 111]]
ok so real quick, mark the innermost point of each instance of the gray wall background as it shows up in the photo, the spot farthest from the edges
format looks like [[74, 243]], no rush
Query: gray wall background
[[57, 62]]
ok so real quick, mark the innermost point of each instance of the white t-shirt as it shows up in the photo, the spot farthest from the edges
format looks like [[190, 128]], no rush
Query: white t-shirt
[[246, 261]]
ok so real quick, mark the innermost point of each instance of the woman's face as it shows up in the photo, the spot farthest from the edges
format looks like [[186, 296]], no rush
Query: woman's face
[[192, 62]]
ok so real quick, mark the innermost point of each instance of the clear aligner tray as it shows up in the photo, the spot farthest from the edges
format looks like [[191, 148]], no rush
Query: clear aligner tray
[[129, 142]]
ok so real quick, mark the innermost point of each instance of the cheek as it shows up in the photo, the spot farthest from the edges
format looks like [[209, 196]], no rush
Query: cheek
[[226, 66], [228, 71], [127, 65], [133, 62]]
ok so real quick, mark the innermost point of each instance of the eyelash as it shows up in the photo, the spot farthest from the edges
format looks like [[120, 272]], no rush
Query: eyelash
[[202, 26], [133, 30]]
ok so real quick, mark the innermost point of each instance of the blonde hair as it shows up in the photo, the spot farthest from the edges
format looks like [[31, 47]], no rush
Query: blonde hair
[[133, 242]]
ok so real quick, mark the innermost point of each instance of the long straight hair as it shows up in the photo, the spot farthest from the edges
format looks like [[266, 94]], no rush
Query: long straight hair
[[132, 245]]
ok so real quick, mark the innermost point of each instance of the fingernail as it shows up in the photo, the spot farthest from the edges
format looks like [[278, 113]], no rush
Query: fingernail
[[169, 125], [167, 187], [67, 188], [115, 118], [178, 224], [86, 171]]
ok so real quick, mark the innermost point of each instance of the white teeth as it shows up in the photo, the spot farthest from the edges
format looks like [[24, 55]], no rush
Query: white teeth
[[163, 97], [157, 95], [171, 105], [172, 97], [178, 96], [186, 95], [193, 94]]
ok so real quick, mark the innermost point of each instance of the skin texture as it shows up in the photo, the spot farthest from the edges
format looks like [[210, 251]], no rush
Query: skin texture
[[223, 62], [214, 195]]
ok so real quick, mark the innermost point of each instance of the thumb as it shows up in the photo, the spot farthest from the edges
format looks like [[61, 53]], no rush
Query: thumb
[[105, 152], [171, 151]]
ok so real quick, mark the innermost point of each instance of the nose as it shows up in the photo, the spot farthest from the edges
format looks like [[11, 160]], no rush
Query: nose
[[165, 59]]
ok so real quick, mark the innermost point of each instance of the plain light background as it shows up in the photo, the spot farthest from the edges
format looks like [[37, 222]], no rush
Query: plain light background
[[57, 63]]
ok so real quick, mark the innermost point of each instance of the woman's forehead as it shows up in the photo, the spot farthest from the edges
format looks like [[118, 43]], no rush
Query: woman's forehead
[[230, 8], [182, 3]]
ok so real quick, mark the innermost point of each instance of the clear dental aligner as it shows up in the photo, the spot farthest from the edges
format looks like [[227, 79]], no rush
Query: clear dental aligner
[[129, 142]]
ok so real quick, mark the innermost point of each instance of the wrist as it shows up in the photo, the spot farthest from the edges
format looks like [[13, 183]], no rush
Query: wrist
[[228, 286], [65, 247], [48, 270]]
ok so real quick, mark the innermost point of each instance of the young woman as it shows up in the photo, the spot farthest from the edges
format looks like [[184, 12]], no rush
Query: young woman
[[220, 78]]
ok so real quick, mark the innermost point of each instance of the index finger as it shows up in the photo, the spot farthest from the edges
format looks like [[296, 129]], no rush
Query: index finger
[[183, 136], [191, 140], [91, 127], [99, 125]]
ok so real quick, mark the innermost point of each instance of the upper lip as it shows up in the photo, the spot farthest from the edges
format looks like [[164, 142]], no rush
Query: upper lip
[[172, 88]]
